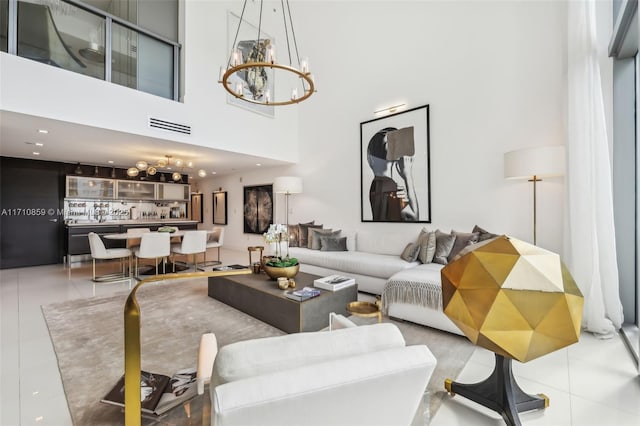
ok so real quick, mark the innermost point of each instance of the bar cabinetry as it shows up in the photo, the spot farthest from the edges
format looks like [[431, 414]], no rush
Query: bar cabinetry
[[173, 192], [86, 187], [136, 190]]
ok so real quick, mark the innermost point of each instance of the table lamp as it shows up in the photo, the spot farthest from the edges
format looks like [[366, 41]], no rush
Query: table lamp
[[287, 185], [533, 164], [518, 301]]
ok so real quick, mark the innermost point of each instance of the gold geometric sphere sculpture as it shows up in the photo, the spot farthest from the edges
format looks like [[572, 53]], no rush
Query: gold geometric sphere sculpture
[[513, 298]]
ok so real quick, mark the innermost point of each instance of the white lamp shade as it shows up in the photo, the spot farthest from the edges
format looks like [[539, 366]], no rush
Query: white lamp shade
[[543, 161], [287, 185]]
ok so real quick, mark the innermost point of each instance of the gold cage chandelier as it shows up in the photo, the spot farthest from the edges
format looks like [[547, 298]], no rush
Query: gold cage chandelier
[[251, 66]]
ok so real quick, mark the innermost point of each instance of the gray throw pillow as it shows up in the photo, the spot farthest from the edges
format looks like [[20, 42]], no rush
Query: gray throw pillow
[[410, 252], [333, 243], [294, 234], [482, 234], [314, 241], [463, 239], [444, 244], [303, 237], [427, 243]]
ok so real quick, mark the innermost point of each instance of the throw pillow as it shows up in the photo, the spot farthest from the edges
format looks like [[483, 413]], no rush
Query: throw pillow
[[303, 237], [294, 234], [314, 241], [463, 239], [427, 243], [410, 252], [444, 244], [333, 243], [483, 235]]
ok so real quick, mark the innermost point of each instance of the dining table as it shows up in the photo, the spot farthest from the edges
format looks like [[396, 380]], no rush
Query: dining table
[[151, 270]]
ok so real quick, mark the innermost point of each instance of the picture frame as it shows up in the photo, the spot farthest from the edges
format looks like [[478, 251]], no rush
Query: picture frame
[[246, 40], [219, 207], [258, 208], [395, 181]]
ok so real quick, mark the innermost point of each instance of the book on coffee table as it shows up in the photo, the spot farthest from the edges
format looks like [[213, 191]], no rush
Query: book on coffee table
[[303, 294], [159, 393], [334, 282]]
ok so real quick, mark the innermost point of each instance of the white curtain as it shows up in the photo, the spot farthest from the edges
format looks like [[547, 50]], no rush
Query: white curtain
[[591, 249]]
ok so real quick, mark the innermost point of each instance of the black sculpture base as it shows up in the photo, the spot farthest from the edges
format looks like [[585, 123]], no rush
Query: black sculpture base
[[500, 392]]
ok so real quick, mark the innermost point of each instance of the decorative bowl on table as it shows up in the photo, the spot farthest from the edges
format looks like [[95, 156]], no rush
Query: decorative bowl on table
[[276, 268], [170, 229]]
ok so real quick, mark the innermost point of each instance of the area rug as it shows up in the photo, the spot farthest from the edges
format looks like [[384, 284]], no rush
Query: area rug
[[87, 336]]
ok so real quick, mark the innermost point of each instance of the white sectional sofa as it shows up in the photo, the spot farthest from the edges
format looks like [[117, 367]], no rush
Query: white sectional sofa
[[374, 261]]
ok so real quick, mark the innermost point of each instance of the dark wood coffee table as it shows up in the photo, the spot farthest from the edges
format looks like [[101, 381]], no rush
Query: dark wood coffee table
[[261, 298]]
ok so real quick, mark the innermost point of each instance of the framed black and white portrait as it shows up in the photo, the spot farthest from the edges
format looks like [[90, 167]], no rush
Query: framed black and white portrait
[[395, 168], [258, 208]]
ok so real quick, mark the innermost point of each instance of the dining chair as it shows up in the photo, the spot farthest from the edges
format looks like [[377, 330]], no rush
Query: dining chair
[[135, 242], [193, 242], [215, 239], [99, 251], [153, 245]]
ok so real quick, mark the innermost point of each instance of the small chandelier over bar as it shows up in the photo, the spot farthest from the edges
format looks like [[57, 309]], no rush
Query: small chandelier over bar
[[253, 63]]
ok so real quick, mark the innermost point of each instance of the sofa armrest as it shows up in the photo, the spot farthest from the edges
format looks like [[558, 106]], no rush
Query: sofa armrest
[[381, 388]]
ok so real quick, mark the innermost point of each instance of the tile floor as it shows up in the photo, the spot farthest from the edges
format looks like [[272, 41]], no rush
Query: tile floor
[[594, 382]]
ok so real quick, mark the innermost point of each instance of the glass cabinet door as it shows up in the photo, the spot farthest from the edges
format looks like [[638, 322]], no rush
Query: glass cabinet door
[[173, 192], [86, 187], [136, 190]]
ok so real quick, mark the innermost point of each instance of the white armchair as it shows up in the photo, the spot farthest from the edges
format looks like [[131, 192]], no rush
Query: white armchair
[[353, 376]]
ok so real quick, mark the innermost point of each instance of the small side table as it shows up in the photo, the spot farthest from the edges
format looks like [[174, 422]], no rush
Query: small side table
[[365, 310], [259, 249]]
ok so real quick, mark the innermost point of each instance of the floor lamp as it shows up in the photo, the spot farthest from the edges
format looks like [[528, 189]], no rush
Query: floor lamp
[[534, 164], [287, 185]]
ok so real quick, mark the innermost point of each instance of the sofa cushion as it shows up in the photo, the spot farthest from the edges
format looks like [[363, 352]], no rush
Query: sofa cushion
[[333, 243], [294, 233], [256, 357], [314, 242], [444, 244], [410, 252], [483, 235], [303, 237], [354, 262], [427, 243], [463, 239]]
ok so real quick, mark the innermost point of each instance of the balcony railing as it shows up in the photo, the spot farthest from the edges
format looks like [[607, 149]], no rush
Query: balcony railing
[[78, 37]]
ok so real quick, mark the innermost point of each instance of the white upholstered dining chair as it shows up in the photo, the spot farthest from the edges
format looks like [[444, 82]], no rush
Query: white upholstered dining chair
[[193, 242], [153, 245], [135, 242], [215, 239], [99, 251]]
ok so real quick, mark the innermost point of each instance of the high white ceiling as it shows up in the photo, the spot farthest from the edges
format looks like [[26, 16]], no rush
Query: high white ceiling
[[72, 143]]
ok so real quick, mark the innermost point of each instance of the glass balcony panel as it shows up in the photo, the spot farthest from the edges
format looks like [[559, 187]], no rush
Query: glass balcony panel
[[141, 62], [62, 35], [4, 25]]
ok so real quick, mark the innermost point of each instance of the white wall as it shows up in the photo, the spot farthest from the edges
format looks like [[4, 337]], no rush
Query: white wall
[[493, 74]]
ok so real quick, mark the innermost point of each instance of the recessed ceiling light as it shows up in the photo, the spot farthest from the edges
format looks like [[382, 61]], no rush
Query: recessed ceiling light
[[36, 153], [214, 173], [39, 144], [258, 164], [110, 161], [43, 131]]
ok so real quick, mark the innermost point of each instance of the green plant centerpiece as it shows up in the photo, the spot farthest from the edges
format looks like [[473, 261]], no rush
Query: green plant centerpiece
[[278, 265]]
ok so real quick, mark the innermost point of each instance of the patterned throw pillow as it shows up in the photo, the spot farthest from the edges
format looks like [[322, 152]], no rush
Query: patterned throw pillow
[[463, 239], [333, 243], [427, 243], [410, 252], [444, 245], [294, 234], [303, 237], [314, 242]]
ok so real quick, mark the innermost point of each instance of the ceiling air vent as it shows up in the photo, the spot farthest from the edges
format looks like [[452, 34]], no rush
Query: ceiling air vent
[[156, 123]]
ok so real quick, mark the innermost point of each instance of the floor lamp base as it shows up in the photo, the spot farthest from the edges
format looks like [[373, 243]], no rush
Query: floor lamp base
[[500, 392]]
